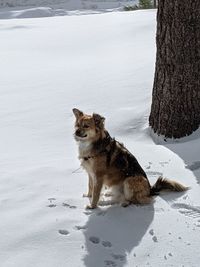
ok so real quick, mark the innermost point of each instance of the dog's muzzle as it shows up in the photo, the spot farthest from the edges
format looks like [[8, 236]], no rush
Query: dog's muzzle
[[80, 133]]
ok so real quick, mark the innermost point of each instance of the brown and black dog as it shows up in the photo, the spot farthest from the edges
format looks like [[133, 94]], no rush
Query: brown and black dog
[[109, 163]]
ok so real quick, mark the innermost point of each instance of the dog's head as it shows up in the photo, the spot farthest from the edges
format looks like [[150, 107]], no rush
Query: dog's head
[[88, 127]]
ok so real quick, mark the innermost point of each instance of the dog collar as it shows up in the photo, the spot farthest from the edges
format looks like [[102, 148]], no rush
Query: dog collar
[[92, 157]]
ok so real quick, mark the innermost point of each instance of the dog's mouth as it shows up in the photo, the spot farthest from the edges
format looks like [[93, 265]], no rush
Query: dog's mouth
[[82, 136]]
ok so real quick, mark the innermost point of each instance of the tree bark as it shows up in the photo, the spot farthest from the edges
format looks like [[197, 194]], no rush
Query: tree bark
[[175, 110]]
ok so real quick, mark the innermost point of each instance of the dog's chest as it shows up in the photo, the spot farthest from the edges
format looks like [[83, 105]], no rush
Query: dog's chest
[[84, 154], [88, 165]]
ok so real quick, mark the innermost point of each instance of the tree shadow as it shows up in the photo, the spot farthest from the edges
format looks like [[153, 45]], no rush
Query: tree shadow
[[189, 153], [112, 233], [186, 148]]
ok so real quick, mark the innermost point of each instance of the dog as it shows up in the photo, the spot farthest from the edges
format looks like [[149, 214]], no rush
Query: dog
[[109, 163]]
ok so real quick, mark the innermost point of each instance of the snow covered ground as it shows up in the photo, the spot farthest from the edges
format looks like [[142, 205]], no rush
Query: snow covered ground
[[99, 63], [49, 8]]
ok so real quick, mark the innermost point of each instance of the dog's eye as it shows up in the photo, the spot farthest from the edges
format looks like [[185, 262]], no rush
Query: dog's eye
[[86, 126]]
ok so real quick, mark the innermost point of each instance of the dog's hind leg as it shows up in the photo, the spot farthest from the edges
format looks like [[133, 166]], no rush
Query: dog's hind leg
[[137, 190]]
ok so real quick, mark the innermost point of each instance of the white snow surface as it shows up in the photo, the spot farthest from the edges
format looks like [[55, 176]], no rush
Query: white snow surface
[[100, 63], [48, 8]]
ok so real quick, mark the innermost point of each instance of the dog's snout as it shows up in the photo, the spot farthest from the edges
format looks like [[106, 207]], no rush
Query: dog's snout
[[78, 132]]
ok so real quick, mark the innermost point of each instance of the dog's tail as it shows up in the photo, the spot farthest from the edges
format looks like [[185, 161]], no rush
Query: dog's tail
[[166, 184]]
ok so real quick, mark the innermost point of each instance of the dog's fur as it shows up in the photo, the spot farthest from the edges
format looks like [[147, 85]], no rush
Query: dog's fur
[[108, 162]]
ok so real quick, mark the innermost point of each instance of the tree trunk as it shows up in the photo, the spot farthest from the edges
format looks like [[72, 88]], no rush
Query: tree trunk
[[154, 3], [175, 110]]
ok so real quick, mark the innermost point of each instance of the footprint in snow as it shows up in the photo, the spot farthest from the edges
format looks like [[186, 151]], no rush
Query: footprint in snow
[[66, 205], [94, 239], [155, 239], [110, 263], [187, 210], [79, 227], [51, 205], [106, 244], [119, 257], [151, 232], [63, 232], [51, 199]]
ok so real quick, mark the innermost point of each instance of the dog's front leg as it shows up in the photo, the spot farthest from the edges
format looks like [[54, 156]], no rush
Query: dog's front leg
[[97, 186], [90, 187]]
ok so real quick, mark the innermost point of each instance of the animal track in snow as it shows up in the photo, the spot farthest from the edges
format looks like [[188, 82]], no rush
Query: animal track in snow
[[63, 232], [94, 239], [155, 239], [51, 199], [151, 232], [79, 227], [110, 263], [106, 244], [187, 210], [51, 205], [119, 257], [66, 205]]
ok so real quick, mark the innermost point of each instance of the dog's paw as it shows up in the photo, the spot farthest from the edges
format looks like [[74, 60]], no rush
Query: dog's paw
[[90, 207]]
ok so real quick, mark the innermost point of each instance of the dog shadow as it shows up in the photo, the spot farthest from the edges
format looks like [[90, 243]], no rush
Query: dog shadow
[[111, 234]]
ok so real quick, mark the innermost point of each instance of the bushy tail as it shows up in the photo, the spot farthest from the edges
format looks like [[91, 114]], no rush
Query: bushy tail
[[166, 184]]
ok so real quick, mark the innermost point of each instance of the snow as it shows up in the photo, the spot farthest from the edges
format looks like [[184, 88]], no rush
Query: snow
[[49, 8], [100, 63]]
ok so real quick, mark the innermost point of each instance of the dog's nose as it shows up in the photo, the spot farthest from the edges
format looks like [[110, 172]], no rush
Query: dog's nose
[[79, 133]]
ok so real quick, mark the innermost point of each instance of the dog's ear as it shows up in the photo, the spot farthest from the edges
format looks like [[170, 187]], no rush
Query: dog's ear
[[98, 119], [77, 112]]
